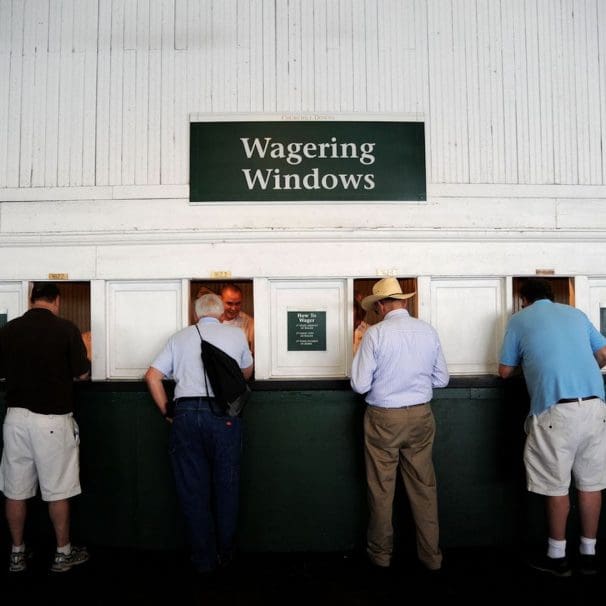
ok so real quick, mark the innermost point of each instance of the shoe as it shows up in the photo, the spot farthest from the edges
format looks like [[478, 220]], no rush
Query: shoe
[[18, 561], [588, 564], [558, 567], [63, 562]]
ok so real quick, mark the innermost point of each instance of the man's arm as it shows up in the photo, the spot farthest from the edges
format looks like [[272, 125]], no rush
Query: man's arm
[[153, 378], [247, 372], [508, 371], [600, 356]]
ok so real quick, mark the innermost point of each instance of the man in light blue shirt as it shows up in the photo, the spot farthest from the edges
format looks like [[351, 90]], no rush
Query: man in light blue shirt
[[561, 353], [205, 443], [398, 364]]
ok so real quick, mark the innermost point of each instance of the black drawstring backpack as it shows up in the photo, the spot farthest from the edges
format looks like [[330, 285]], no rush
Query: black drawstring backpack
[[226, 379]]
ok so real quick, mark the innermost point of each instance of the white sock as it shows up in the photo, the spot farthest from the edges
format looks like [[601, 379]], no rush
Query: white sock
[[66, 549], [556, 549], [19, 548], [587, 546]]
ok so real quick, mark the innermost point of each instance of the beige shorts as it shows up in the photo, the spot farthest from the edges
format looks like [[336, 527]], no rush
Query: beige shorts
[[40, 449], [568, 439]]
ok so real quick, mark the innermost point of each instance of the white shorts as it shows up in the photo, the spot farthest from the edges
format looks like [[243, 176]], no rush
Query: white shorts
[[40, 449], [567, 439]]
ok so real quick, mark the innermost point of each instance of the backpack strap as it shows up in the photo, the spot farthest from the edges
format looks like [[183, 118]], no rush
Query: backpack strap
[[203, 368]]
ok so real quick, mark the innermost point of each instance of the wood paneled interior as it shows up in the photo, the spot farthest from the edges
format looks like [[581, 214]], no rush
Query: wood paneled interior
[[246, 286], [563, 290], [363, 288], [75, 303]]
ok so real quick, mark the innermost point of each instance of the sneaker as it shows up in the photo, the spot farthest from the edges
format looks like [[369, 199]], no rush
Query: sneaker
[[18, 561], [588, 564], [558, 567], [64, 562]]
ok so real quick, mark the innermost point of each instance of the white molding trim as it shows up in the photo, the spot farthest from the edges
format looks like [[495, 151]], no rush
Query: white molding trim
[[497, 191], [193, 236]]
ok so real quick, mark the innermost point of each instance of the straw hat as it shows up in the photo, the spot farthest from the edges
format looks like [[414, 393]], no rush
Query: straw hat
[[387, 288]]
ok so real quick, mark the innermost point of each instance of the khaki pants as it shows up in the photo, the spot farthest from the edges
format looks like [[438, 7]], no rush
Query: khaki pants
[[401, 437]]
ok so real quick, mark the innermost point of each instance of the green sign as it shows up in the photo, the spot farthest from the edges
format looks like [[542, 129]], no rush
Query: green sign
[[306, 331], [307, 161], [3, 317]]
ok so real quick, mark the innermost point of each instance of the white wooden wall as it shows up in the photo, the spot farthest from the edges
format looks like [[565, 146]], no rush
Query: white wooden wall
[[98, 92], [96, 97]]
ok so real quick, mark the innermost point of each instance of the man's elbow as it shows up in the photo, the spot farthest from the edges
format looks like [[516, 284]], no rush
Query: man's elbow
[[248, 371], [506, 371]]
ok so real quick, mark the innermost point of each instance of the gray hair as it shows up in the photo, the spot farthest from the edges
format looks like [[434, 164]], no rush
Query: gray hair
[[209, 305]]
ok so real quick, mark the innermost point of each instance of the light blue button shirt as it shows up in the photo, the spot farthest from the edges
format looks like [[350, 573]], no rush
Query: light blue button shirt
[[554, 344], [180, 359], [399, 362]]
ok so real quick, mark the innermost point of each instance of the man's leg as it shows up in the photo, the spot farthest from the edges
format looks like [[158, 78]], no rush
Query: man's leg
[[59, 515], [416, 467], [227, 440], [590, 505], [557, 509], [381, 465], [16, 512]]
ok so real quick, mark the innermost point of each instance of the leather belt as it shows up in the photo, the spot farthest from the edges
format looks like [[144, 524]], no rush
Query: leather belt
[[566, 400], [189, 398]]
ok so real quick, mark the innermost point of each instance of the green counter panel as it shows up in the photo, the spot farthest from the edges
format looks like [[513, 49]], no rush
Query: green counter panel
[[303, 472]]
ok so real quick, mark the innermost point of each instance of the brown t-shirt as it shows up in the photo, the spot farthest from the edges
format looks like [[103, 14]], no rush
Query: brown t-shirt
[[40, 354]]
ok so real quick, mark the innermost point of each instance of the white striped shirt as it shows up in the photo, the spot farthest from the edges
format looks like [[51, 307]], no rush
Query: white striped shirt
[[399, 362]]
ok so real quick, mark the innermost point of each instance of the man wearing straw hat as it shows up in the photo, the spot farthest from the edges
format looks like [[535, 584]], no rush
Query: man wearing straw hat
[[398, 364]]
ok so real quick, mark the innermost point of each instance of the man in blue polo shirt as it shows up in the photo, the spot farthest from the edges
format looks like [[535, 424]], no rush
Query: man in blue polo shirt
[[561, 353]]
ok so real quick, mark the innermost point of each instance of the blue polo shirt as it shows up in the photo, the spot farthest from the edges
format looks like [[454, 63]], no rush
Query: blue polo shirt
[[554, 344]]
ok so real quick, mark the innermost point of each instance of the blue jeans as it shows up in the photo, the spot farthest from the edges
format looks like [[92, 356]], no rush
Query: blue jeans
[[205, 454]]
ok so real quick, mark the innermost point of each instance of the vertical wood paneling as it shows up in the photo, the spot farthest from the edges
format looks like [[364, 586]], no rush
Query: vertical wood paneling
[[15, 95], [28, 94], [294, 56], [116, 94], [307, 57], [5, 63], [167, 118], [496, 94], [436, 99], [181, 121], [270, 58], [521, 92], [472, 90], [581, 89], [129, 117], [509, 94], [142, 92], [593, 93], [601, 77], [459, 98], [256, 56], [40, 83], [333, 84], [281, 49], [346, 56], [385, 55], [67, 99], [103, 93], [154, 135], [569, 114], [359, 84], [320, 57], [546, 65], [243, 69], [98, 92], [535, 151]]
